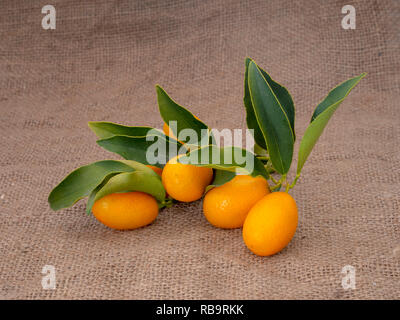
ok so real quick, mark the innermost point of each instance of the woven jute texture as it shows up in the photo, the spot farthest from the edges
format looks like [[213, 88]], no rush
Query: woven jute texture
[[102, 62]]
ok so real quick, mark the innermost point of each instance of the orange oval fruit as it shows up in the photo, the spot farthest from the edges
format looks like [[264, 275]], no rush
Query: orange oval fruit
[[227, 206], [185, 182], [123, 211], [270, 224]]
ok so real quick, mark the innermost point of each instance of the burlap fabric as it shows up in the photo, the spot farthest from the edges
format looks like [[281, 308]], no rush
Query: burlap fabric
[[102, 62]]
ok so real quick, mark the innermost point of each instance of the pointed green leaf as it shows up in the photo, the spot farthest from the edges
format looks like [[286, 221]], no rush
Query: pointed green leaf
[[281, 93], [232, 159], [108, 129], [80, 183], [148, 182], [321, 116], [337, 94], [284, 98], [135, 148], [272, 119], [171, 111], [250, 115]]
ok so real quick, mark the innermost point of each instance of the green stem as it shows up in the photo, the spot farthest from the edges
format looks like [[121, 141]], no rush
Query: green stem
[[274, 180], [168, 202], [268, 166], [276, 187], [294, 181], [270, 170], [287, 186], [262, 158], [283, 180]]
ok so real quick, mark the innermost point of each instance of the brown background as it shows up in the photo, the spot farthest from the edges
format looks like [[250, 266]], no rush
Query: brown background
[[102, 62]]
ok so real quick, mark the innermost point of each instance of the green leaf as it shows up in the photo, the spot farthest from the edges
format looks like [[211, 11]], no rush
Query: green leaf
[[272, 119], [148, 182], [108, 129], [284, 98], [231, 159], [171, 111], [80, 182], [220, 177], [90, 201], [281, 93], [321, 116], [135, 148], [251, 119]]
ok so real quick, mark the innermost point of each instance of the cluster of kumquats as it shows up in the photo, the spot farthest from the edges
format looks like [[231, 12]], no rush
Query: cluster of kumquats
[[128, 194]]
